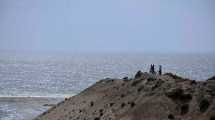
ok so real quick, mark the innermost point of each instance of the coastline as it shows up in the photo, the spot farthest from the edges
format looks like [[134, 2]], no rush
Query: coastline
[[30, 98], [25, 108]]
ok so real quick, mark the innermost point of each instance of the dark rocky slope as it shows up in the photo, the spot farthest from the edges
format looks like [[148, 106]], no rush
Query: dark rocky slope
[[146, 97]]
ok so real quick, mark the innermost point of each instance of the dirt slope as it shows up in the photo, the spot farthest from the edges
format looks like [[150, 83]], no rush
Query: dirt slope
[[145, 97]]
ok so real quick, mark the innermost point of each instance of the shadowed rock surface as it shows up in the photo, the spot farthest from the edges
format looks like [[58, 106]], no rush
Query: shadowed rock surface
[[146, 97]]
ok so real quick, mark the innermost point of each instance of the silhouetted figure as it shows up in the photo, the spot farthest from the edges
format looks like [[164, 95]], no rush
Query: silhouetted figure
[[152, 69], [160, 70]]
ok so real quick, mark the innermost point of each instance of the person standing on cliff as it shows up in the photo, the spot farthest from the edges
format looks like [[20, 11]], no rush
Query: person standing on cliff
[[152, 69], [160, 70]]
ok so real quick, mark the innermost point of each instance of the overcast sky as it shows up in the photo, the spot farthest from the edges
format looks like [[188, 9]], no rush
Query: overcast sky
[[108, 25]]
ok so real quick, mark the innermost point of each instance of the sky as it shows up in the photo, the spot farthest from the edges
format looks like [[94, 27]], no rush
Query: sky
[[108, 25]]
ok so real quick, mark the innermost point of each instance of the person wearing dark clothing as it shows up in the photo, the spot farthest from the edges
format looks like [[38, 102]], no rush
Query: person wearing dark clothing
[[160, 70], [152, 69]]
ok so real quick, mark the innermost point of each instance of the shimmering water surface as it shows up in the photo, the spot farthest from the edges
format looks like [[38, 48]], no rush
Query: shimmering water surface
[[65, 74]]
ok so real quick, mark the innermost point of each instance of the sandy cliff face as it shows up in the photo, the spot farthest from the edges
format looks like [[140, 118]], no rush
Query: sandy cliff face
[[146, 97]]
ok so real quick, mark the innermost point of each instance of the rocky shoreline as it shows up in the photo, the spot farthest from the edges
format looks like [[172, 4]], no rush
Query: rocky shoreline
[[144, 97]]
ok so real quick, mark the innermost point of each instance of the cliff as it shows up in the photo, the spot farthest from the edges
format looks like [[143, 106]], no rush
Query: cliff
[[145, 97]]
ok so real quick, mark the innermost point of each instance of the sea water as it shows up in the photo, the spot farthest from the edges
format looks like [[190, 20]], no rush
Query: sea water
[[60, 75]]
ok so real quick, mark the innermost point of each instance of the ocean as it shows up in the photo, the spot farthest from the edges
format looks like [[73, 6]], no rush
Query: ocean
[[33, 75]]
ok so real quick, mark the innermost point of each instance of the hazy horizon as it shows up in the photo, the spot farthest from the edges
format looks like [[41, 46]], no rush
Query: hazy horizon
[[107, 26]]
